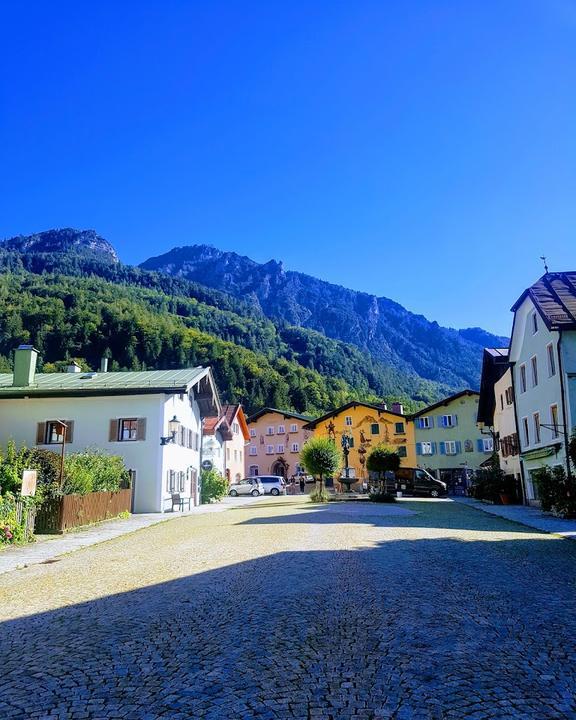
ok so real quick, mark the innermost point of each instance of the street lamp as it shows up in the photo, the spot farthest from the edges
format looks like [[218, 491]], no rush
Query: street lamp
[[173, 427]]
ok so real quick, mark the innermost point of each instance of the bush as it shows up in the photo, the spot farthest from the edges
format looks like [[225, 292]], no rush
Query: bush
[[320, 458], [557, 490], [382, 497], [94, 471], [213, 486], [12, 530], [319, 496]]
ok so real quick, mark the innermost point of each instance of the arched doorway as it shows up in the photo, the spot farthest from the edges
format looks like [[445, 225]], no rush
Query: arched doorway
[[280, 467]]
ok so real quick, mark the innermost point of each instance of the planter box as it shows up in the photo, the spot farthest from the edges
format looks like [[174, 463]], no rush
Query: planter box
[[71, 511]]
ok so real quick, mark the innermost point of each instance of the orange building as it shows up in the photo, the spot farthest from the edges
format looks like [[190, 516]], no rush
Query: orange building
[[276, 438]]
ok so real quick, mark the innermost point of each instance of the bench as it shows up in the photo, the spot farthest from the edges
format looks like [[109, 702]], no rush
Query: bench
[[180, 502]]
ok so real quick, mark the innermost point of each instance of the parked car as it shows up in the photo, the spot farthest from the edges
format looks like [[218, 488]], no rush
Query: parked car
[[307, 478], [415, 481], [247, 486], [273, 484]]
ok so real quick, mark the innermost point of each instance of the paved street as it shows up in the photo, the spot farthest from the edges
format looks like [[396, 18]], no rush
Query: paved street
[[413, 611]]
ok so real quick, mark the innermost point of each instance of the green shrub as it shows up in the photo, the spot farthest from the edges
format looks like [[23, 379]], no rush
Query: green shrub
[[319, 496], [557, 490], [93, 470], [382, 497], [213, 486], [12, 530]]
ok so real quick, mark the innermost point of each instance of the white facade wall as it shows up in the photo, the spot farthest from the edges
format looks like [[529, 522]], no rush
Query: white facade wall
[[505, 423], [92, 417], [235, 449], [539, 398], [213, 450]]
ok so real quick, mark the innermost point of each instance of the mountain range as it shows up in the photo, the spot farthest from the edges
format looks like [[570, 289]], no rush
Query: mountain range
[[273, 336]]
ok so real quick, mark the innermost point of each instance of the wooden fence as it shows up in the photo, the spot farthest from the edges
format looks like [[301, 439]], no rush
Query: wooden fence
[[70, 511], [26, 518]]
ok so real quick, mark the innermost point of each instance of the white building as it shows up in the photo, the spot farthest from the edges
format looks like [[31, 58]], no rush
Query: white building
[[543, 360], [224, 440], [151, 419]]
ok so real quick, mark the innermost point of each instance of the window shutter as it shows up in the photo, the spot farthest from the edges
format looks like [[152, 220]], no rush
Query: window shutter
[[41, 433], [418, 448], [455, 420], [480, 445], [442, 448], [433, 446], [431, 421], [458, 447], [113, 432], [141, 432], [69, 430]]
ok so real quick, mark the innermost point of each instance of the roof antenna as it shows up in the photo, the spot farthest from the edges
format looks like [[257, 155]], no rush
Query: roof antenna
[[543, 258]]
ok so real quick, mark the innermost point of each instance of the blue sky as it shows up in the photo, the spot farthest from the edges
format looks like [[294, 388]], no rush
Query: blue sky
[[425, 151]]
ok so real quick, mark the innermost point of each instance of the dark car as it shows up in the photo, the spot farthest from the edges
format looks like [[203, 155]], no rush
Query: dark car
[[415, 481]]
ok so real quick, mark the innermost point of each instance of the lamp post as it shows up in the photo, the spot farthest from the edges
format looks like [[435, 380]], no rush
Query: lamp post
[[173, 427], [345, 443]]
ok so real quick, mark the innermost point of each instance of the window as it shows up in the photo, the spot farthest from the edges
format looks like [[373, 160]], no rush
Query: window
[[487, 445], [551, 360], [181, 481], [252, 432], [424, 423], [253, 470], [293, 428], [270, 430], [375, 429], [54, 432], [228, 454], [523, 384], [450, 447], [402, 451], [534, 323], [171, 481], [280, 448], [534, 366], [501, 401], [235, 428], [253, 450], [281, 429], [426, 448], [399, 428], [128, 429], [348, 420], [554, 420], [509, 396], [526, 431], [235, 455], [448, 421], [269, 449], [536, 418], [294, 448]]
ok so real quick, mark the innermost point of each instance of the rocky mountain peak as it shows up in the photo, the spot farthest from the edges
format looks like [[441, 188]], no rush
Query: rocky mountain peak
[[63, 240]]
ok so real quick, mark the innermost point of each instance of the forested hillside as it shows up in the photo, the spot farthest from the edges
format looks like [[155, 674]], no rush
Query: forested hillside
[[71, 304]]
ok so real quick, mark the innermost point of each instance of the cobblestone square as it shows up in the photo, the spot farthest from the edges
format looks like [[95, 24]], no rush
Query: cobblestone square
[[420, 610]]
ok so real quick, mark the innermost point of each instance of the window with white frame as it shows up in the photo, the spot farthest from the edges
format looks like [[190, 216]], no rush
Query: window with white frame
[[348, 420], [488, 444], [526, 429], [280, 448], [253, 450], [54, 432], [235, 428], [523, 384], [270, 430], [295, 447], [450, 447], [424, 423], [551, 360], [534, 323], [293, 428], [252, 432], [448, 421], [534, 366], [426, 448], [281, 430], [536, 418], [269, 449], [554, 420]]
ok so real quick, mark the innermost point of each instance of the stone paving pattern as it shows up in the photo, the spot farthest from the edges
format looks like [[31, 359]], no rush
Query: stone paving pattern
[[416, 611]]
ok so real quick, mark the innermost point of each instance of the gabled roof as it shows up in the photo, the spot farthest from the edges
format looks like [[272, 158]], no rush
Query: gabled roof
[[286, 413], [116, 383], [236, 412], [554, 296], [355, 403], [445, 402], [494, 365]]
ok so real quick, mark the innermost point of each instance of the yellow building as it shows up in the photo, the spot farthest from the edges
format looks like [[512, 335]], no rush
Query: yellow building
[[367, 425]]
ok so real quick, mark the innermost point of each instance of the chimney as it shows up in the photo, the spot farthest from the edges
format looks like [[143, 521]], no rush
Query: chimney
[[104, 365], [25, 358], [73, 367], [398, 408]]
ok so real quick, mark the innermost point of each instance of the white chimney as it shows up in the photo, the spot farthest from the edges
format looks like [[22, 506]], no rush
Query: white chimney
[[104, 365], [73, 367], [24, 366]]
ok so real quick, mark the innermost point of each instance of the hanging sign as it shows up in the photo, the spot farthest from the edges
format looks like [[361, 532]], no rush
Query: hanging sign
[[29, 479]]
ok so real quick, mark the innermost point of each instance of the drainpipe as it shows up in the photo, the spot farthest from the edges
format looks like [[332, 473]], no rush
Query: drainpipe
[[564, 415]]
